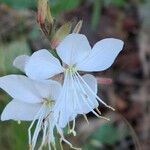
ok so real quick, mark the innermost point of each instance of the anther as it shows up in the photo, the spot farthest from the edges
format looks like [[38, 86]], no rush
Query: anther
[[98, 110]]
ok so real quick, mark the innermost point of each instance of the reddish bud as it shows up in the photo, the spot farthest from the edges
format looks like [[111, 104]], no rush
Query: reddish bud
[[42, 11]]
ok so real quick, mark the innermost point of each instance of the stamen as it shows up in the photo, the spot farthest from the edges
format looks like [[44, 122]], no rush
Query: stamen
[[94, 93], [54, 145], [44, 135], [73, 128], [89, 100], [84, 94], [107, 119], [49, 146], [63, 139], [47, 116], [30, 127], [67, 142], [37, 130], [68, 128], [60, 142], [85, 101], [98, 111], [86, 119]]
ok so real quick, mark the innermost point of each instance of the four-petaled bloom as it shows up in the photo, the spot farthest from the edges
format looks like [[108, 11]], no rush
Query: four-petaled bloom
[[77, 95], [33, 100]]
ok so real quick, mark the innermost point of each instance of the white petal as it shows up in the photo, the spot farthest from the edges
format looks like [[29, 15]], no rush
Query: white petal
[[73, 49], [42, 65], [91, 81], [87, 104], [48, 89], [64, 108], [102, 55], [63, 112], [17, 110], [20, 87], [21, 61]]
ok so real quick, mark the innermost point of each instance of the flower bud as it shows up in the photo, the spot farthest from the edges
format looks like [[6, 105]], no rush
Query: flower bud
[[44, 17], [42, 11], [78, 27]]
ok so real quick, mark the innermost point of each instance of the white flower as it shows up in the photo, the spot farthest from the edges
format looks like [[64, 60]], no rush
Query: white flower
[[33, 100], [78, 94]]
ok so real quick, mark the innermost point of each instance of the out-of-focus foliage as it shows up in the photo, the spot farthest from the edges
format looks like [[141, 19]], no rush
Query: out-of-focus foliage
[[20, 4], [96, 13], [9, 53], [105, 134], [59, 6], [118, 2]]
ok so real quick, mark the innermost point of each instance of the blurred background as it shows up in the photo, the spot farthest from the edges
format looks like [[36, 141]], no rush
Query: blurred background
[[129, 91]]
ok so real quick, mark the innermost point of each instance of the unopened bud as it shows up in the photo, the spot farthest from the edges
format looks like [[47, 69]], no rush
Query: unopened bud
[[42, 11], [78, 27], [44, 17]]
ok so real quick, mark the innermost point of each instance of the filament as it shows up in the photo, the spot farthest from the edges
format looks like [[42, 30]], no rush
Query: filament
[[94, 93]]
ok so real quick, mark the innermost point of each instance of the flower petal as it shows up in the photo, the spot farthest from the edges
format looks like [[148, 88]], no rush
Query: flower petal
[[48, 89], [20, 87], [91, 81], [42, 65], [21, 61], [87, 100], [102, 55], [64, 107], [17, 110], [73, 49]]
